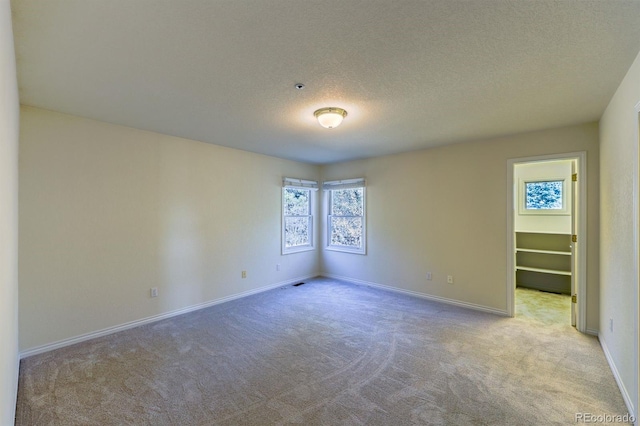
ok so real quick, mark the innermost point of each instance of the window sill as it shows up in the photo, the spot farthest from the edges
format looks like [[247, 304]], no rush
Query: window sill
[[297, 249], [346, 250]]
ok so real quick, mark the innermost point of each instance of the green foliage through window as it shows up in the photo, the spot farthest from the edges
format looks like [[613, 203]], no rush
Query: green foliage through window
[[543, 195], [297, 219], [296, 201], [346, 220]]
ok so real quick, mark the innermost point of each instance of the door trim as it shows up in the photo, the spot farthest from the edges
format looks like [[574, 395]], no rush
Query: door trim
[[636, 257], [581, 285]]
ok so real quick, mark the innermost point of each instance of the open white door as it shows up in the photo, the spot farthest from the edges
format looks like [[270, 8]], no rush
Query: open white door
[[574, 242]]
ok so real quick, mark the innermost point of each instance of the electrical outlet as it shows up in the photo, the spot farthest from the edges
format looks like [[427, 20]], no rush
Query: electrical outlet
[[429, 276], [277, 267], [611, 325], [244, 274], [154, 291], [450, 279]]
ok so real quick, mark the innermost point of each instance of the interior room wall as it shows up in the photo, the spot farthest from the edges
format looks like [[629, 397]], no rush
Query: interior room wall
[[443, 210], [618, 249], [108, 212], [552, 224], [9, 122]]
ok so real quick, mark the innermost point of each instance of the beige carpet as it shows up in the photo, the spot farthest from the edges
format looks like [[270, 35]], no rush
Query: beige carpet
[[324, 353], [542, 307]]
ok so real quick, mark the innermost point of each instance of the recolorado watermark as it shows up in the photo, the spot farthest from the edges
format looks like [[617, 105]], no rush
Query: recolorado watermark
[[604, 418]]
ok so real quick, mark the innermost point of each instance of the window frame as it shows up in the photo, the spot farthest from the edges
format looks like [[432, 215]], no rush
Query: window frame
[[522, 202], [332, 186], [301, 185]]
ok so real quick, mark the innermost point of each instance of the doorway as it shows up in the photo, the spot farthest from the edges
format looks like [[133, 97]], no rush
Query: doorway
[[546, 238]]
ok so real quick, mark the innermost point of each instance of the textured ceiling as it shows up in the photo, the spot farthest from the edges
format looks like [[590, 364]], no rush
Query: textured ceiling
[[411, 74]]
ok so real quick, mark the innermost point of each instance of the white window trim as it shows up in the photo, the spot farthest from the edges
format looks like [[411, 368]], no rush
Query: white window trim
[[566, 208], [299, 183], [347, 184], [311, 186], [344, 184]]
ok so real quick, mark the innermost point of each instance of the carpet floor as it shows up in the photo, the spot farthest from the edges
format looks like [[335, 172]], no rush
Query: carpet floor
[[542, 307], [325, 353]]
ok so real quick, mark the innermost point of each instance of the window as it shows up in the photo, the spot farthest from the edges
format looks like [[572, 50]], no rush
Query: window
[[544, 197], [346, 218], [297, 220]]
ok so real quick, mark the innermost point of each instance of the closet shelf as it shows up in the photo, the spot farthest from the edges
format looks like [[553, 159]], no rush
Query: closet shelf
[[543, 261], [544, 271], [528, 250]]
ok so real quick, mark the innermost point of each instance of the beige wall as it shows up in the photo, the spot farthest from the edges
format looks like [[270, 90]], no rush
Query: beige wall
[[618, 250], [443, 210], [9, 112], [107, 212]]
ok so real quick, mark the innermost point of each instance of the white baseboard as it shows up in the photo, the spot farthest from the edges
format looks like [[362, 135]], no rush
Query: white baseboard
[[426, 296], [110, 330], [623, 390], [592, 332]]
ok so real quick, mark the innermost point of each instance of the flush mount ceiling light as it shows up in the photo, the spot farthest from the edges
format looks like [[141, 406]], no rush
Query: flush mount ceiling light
[[330, 117]]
